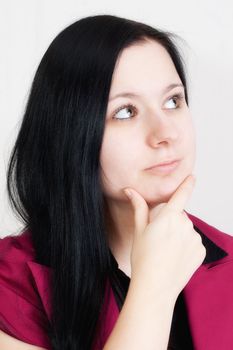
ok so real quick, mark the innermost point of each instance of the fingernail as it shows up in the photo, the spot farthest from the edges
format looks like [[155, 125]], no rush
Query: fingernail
[[128, 193]]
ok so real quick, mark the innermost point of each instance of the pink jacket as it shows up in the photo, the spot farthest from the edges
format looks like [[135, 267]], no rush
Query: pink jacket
[[208, 294], [25, 294]]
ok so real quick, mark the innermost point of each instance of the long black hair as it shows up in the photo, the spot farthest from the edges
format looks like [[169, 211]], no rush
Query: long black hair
[[53, 175]]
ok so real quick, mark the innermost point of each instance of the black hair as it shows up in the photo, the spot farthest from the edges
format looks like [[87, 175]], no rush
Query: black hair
[[53, 175]]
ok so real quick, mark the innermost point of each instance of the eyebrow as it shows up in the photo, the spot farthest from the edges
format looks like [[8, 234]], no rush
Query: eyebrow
[[130, 94]]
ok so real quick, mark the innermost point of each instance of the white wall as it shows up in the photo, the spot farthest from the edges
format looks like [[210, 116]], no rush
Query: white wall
[[28, 26]]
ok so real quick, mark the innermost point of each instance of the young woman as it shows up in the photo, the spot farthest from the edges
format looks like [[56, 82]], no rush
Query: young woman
[[95, 268]]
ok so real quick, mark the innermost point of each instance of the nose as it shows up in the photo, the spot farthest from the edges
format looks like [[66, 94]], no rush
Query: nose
[[161, 129]]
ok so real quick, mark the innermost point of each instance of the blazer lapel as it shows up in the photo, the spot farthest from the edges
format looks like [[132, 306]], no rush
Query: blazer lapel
[[209, 293]]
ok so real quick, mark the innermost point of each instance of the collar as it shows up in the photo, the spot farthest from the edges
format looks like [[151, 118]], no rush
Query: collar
[[213, 251]]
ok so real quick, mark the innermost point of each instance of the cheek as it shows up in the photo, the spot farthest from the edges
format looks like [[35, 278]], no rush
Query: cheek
[[118, 159], [188, 135], [188, 147], [192, 140]]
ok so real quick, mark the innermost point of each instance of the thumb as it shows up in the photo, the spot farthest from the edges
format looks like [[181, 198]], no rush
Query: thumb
[[141, 210]]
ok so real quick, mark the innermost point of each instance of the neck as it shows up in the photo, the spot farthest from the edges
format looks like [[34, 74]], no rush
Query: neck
[[119, 222]]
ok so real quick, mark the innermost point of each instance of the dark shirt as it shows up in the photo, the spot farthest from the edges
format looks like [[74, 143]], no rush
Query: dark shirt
[[180, 336]]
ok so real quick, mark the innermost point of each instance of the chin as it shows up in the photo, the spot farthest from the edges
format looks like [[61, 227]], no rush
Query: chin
[[162, 199], [163, 192]]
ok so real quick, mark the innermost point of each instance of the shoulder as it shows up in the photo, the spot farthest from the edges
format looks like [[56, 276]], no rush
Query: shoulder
[[15, 254], [20, 247], [24, 291], [19, 269]]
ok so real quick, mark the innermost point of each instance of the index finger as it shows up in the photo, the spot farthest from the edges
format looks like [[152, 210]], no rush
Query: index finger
[[182, 194]]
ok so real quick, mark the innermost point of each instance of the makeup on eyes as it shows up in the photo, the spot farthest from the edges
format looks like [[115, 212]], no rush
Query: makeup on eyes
[[178, 97]]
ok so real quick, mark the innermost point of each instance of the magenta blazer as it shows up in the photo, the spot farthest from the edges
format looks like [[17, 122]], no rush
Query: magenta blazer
[[25, 307]]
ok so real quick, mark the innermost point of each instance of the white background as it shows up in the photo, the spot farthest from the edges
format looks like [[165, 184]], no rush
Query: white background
[[28, 26]]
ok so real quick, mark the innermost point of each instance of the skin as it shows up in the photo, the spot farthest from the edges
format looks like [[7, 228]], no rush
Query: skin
[[160, 128]]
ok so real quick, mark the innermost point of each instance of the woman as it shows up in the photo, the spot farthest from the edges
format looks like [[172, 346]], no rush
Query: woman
[[88, 251]]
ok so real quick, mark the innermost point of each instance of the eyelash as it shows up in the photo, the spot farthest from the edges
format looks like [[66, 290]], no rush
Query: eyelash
[[177, 97]]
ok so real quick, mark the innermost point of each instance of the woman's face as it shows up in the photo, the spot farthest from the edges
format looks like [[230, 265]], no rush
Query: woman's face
[[151, 128]]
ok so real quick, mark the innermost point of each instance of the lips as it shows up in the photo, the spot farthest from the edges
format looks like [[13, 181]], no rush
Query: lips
[[168, 162]]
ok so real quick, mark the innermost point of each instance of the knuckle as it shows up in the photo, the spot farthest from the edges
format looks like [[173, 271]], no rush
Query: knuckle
[[197, 235], [203, 249], [188, 223]]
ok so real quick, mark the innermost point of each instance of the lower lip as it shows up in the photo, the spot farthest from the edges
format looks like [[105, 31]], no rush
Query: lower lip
[[164, 169]]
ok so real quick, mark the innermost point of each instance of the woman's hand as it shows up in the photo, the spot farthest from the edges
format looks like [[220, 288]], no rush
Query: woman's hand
[[166, 249]]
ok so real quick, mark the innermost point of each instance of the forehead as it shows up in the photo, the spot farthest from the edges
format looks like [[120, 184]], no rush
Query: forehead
[[143, 65]]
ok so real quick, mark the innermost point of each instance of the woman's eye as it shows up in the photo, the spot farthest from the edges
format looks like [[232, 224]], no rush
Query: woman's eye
[[174, 101], [128, 111], [124, 112]]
